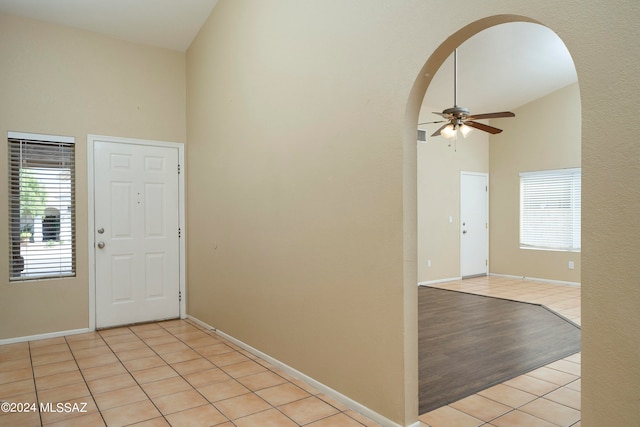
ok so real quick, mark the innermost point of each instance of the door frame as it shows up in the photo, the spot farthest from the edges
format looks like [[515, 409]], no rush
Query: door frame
[[91, 139], [486, 175]]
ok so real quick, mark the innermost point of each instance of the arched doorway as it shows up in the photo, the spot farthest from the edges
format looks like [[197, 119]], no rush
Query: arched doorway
[[430, 269]]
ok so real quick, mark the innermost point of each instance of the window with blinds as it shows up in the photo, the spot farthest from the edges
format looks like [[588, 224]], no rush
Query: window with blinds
[[550, 209], [41, 206]]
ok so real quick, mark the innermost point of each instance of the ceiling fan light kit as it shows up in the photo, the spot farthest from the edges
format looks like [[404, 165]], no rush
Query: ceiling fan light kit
[[459, 118], [465, 130], [449, 131]]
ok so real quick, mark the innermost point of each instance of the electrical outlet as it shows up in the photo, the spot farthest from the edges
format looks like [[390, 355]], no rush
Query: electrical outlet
[[571, 265], [429, 263]]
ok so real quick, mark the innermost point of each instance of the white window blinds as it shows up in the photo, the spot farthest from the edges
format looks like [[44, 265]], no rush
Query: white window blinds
[[550, 209], [41, 206]]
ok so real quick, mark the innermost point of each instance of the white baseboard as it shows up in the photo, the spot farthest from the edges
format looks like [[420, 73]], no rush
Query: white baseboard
[[44, 336], [350, 403], [431, 282], [535, 279]]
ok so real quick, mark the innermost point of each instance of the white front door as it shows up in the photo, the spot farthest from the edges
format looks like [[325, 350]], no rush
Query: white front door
[[136, 233], [474, 224]]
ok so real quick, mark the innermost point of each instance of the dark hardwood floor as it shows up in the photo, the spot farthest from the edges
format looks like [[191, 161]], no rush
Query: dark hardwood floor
[[470, 342]]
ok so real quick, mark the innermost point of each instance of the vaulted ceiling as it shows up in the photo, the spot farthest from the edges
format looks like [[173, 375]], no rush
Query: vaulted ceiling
[[171, 24], [502, 68], [499, 69]]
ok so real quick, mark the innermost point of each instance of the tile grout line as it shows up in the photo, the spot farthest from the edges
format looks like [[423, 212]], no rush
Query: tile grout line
[[207, 332], [133, 377], [84, 379], [175, 334], [542, 396], [180, 375], [221, 368], [35, 387]]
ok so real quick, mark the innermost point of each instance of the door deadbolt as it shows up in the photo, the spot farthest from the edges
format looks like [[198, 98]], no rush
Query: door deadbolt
[[100, 230]]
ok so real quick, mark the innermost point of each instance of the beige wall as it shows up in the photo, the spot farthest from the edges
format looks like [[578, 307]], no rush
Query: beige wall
[[295, 218], [546, 134], [61, 81]]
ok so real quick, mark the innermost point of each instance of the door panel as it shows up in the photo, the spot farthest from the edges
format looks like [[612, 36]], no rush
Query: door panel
[[137, 254], [474, 224], [121, 195], [122, 279], [155, 285]]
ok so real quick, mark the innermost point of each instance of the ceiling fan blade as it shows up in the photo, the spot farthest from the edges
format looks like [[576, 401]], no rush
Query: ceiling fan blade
[[483, 127], [437, 133], [430, 123], [491, 115]]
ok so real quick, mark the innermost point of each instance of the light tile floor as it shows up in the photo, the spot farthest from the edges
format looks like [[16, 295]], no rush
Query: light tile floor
[[546, 397], [176, 373], [159, 374]]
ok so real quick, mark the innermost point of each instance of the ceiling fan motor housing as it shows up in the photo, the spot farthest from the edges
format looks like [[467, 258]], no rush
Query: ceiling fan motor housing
[[458, 112]]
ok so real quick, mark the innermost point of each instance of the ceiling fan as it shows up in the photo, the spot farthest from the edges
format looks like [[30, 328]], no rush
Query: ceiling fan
[[459, 118]]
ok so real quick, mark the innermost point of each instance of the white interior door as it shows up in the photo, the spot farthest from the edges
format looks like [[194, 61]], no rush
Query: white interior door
[[474, 224], [136, 221]]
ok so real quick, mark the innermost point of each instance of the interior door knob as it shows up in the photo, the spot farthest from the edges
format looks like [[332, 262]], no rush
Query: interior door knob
[[100, 245], [464, 231]]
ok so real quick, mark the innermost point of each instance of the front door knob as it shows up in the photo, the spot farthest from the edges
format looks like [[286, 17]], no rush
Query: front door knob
[[100, 245]]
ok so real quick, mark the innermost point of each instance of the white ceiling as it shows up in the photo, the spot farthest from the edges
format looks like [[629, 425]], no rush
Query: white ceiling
[[499, 69], [171, 24]]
